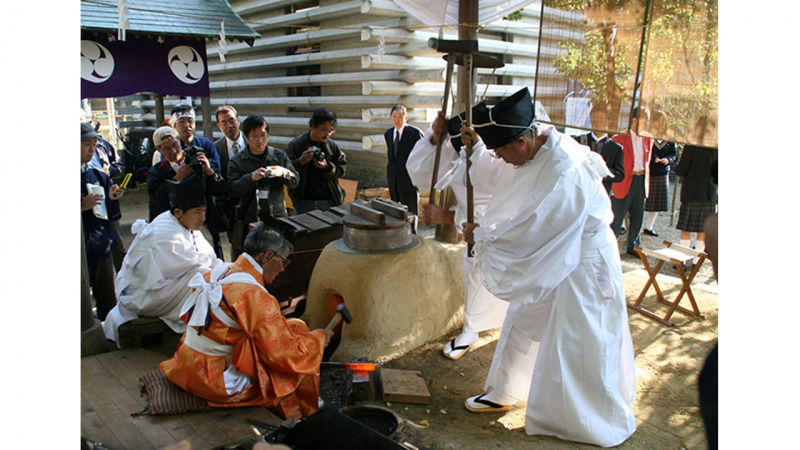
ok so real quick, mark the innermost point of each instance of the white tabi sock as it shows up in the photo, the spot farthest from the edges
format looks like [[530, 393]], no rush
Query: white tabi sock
[[499, 398], [466, 338]]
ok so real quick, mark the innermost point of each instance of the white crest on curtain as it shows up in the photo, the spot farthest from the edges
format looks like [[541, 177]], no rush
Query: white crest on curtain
[[445, 12]]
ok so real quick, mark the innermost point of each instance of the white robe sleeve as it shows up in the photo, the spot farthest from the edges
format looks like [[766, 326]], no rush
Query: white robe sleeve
[[421, 160], [523, 258]]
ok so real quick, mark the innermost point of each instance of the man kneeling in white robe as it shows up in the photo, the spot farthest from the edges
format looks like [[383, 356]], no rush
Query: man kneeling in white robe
[[164, 256], [545, 246]]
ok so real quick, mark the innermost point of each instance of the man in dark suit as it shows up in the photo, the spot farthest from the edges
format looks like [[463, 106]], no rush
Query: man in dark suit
[[611, 151], [400, 139], [228, 145]]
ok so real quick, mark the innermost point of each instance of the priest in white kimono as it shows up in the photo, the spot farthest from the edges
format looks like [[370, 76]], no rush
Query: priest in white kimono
[[545, 246], [164, 256], [482, 310]]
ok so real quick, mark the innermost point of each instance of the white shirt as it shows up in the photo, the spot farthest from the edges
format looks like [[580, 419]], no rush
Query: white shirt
[[638, 152], [230, 144]]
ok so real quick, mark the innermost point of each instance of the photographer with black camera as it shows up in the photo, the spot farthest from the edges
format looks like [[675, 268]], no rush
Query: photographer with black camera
[[320, 163], [256, 176], [177, 165]]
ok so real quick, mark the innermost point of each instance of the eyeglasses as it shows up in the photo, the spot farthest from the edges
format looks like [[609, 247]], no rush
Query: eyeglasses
[[327, 131], [284, 261]]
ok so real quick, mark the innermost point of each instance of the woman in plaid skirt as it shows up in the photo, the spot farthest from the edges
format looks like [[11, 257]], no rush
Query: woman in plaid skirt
[[662, 157], [698, 192]]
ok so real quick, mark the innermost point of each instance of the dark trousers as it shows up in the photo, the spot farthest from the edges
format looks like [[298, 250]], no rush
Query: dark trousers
[[101, 279], [119, 251], [633, 203], [408, 198]]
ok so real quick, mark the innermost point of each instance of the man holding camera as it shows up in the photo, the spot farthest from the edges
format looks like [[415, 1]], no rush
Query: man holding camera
[[256, 177], [320, 163], [177, 165]]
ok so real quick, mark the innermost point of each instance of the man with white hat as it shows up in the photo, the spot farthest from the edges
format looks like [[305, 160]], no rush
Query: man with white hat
[[176, 166], [546, 247], [164, 255]]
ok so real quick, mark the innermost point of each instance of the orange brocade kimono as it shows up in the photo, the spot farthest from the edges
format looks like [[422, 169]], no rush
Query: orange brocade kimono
[[278, 359]]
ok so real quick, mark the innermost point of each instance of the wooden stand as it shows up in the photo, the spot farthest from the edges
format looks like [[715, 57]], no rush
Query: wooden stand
[[678, 255]]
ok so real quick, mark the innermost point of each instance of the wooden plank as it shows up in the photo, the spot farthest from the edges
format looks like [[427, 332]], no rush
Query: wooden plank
[[325, 216], [310, 222], [404, 386], [126, 367], [110, 392], [364, 211], [386, 206], [102, 395]]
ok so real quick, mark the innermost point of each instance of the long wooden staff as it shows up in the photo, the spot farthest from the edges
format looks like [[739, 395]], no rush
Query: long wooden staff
[[449, 74], [469, 96]]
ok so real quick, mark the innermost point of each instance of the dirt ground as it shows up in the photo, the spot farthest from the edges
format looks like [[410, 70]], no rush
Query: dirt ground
[[668, 360]]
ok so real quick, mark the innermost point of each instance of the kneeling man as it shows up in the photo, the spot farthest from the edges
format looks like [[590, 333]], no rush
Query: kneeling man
[[250, 354], [164, 256]]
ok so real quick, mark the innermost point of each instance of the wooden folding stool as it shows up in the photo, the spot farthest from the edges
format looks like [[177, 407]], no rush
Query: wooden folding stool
[[678, 255]]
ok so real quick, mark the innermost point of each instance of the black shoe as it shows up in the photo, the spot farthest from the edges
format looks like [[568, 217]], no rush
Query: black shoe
[[650, 232], [622, 230], [632, 253]]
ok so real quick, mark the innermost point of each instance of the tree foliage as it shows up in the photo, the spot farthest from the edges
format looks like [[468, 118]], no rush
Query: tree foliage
[[679, 73]]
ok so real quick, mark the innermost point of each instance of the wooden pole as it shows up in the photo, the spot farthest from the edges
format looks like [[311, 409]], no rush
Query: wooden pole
[[443, 136], [159, 110], [468, 30]]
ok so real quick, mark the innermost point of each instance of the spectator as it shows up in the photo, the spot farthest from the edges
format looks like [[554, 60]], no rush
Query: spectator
[[231, 143], [482, 310], [698, 193], [164, 256], [183, 120], [611, 151], [98, 209], [664, 154], [233, 140], [320, 163], [400, 139], [256, 177], [565, 346], [629, 194], [251, 354], [106, 159]]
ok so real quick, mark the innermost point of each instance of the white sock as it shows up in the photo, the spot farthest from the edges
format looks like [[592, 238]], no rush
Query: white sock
[[466, 338], [700, 246], [650, 219], [686, 243], [499, 398]]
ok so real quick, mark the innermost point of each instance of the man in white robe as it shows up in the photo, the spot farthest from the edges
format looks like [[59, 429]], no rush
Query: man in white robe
[[482, 310], [164, 256], [545, 246]]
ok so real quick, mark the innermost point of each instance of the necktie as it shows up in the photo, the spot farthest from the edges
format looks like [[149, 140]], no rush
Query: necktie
[[396, 142], [235, 147]]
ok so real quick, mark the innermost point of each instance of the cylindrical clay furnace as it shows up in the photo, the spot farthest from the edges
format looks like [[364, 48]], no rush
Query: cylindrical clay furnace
[[402, 291]]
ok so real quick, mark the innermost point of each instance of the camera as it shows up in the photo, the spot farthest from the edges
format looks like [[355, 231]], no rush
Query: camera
[[191, 158], [319, 155]]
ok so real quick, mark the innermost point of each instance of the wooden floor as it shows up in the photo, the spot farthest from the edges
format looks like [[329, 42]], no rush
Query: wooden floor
[[110, 393]]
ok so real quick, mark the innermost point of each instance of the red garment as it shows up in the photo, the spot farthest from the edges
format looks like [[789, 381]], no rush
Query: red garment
[[281, 357], [620, 190]]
